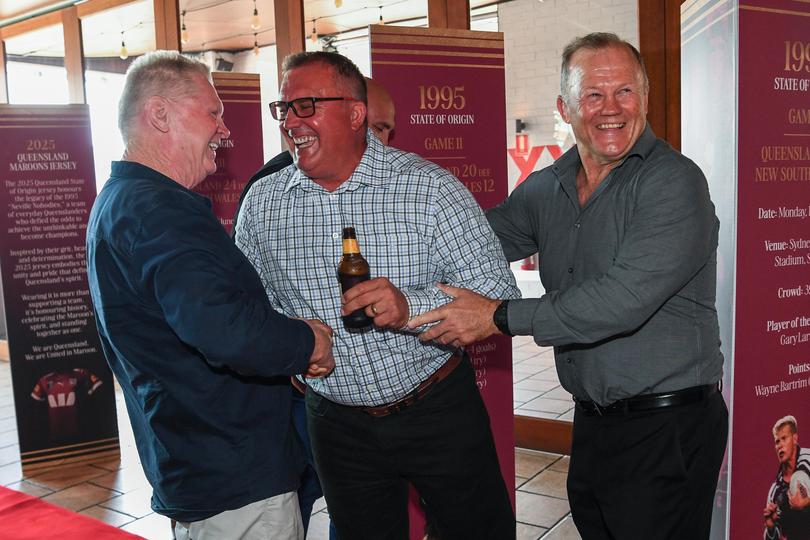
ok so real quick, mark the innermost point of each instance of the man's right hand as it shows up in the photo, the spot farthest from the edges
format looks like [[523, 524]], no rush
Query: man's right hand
[[321, 363], [465, 320]]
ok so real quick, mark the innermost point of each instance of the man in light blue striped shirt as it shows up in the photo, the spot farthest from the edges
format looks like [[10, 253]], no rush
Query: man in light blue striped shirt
[[395, 409]]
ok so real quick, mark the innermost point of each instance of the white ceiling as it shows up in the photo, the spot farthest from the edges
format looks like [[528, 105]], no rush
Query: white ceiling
[[211, 24]]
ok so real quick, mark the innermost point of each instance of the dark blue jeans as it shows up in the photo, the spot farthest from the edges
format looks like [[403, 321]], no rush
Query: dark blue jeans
[[310, 489], [442, 444]]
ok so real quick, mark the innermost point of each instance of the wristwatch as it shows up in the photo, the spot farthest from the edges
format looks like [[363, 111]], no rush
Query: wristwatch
[[500, 318]]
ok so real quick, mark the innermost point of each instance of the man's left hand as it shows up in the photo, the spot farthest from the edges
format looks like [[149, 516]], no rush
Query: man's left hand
[[381, 300], [465, 320]]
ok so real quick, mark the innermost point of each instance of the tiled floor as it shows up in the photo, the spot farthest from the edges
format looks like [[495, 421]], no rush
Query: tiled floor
[[117, 493], [537, 391]]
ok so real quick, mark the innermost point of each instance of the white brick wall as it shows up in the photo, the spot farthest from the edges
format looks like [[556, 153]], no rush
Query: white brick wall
[[535, 33]]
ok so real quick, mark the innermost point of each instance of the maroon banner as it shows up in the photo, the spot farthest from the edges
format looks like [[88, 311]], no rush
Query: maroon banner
[[63, 390], [772, 327], [240, 155], [449, 90]]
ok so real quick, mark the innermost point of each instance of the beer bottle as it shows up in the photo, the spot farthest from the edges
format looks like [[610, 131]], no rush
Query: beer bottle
[[353, 269]]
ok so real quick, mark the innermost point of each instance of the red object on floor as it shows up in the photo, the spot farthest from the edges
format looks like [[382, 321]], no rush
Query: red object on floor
[[23, 517]]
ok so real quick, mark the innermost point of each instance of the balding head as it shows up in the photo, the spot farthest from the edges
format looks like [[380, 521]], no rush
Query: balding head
[[381, 113]]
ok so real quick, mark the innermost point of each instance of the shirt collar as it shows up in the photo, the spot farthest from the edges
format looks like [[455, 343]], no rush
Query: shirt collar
[[133, 169], [373, 170], [644, 146]]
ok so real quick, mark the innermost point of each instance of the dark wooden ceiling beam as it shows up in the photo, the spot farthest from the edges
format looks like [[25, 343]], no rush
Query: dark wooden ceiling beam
[[74, 54], [659, 37], [167, 24], [449, 14], [290, 37]]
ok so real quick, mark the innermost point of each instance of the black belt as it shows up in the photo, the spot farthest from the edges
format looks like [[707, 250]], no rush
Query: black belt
[[648, 402]]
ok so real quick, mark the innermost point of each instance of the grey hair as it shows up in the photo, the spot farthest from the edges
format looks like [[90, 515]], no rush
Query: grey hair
[[165, 73], [594, 41]]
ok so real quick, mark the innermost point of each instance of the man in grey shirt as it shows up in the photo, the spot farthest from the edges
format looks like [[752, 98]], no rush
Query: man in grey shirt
[[627, 237]]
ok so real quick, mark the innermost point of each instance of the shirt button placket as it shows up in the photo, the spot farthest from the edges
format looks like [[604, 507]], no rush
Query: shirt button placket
[[332, 200]]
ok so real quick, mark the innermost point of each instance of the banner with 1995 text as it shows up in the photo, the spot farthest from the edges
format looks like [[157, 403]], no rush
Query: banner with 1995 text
[[449, 91]]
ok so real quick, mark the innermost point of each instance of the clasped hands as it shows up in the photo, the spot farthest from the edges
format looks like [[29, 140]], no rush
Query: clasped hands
[[381, 301], [321, 362]]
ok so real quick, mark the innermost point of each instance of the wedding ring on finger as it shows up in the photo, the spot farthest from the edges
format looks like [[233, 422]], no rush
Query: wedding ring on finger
[[374, 309]]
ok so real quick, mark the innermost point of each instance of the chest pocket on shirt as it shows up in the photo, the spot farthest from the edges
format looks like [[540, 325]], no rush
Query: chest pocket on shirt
[[401, 256]]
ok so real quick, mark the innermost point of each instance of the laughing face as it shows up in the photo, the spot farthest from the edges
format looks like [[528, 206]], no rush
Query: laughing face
[[328, 145], [785, 442], [607, 107], [198, 131]]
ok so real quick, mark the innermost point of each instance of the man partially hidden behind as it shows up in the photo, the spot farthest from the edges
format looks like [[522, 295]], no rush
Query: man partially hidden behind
[[201, 356], [786, 515], [395, 410], [627, 239]]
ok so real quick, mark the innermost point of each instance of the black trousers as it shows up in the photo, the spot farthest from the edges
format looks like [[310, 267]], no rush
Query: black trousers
[[649, 474], [442, 444]]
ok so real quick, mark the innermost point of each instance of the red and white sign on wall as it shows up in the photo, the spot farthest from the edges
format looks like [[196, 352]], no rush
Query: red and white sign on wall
[[526, 158]]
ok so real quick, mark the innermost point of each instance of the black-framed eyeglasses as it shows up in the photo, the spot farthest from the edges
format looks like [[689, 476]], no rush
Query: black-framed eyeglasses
[[302, 107]]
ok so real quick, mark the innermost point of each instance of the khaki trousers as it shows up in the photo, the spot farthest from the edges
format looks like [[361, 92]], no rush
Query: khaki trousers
[[276, 518]]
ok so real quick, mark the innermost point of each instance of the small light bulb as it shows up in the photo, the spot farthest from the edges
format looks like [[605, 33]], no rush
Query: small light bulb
[[338, 3], [314, 37], [382, 22], [183, 31], [255, 21], [123, 54]]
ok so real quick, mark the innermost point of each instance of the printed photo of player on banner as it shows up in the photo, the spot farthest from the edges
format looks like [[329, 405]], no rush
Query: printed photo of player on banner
[[448, 88]]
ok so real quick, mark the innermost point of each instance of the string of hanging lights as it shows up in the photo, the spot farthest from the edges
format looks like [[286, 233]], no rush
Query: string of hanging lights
[[123, 54]]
